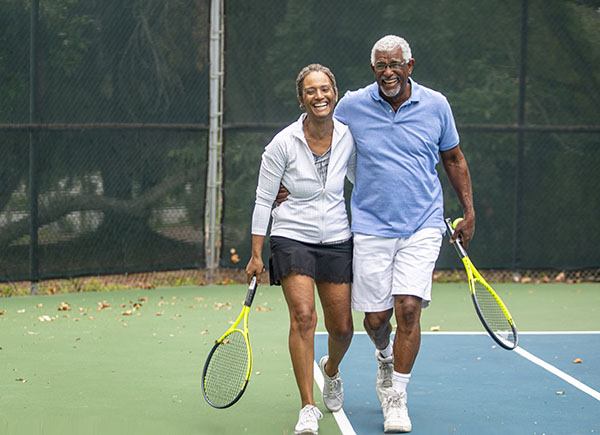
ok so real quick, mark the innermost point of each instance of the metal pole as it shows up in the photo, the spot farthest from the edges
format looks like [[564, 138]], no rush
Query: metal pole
[[516, 260], [33, 149], [214, 199]]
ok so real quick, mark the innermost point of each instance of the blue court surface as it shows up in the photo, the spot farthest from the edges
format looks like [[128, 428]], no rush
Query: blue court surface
[[465, 384]]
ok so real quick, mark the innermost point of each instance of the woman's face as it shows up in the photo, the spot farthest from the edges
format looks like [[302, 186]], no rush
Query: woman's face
[[318, 95]]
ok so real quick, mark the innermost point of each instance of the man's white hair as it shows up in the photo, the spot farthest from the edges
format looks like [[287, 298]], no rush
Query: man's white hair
[[391, 42]]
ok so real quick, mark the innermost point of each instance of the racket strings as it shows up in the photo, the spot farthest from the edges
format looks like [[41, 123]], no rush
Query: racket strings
[[226, 371], [493, 314]]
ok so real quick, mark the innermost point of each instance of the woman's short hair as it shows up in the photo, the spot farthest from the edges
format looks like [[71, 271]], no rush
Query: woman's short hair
[[311, 68]]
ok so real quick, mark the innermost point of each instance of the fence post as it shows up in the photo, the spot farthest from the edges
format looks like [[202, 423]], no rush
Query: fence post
[[521, 121], [34, 118], [214, 194]]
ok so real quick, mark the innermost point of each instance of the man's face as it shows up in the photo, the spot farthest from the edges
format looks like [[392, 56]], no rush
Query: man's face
[[391, 72]]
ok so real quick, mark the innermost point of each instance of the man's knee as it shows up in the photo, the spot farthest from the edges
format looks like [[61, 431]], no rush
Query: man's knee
[[378, 322]]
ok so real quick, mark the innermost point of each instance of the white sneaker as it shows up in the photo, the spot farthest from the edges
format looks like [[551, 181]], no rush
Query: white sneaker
[[385, 372], [308, 421], [395, 413], [333, 392]]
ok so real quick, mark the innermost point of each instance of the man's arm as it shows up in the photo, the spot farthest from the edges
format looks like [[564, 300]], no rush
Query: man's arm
[[457, 170]]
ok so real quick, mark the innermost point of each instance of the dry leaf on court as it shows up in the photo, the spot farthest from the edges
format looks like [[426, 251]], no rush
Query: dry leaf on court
[[64, 306], [435, 328], [560, 393], [577, 361], [2, 313], [103, 305]]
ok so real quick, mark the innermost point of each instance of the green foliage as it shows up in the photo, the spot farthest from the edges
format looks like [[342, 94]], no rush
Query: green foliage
[[146, 61]]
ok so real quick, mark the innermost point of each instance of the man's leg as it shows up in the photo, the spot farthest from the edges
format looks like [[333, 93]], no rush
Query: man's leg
[[408, 333]]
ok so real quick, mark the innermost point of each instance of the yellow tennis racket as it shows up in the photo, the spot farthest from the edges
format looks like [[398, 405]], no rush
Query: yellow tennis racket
[[228, 365], [492, 312]]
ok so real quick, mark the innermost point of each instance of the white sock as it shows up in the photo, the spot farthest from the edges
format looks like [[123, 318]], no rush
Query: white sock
[[388, 351], [400, 381]]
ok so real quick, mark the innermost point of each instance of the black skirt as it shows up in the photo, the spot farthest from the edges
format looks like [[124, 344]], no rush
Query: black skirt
[[322, 262]]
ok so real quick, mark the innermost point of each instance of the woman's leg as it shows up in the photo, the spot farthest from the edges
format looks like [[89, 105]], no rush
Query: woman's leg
[[335, 299], [300, 297]]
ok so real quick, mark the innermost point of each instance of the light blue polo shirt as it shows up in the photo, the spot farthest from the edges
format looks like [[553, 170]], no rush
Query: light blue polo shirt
[[397, 191]]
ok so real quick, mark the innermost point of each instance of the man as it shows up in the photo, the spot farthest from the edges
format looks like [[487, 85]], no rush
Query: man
[[400, 128]]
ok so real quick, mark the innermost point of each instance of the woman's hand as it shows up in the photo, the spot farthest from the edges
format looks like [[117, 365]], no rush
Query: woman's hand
[[255, 267]]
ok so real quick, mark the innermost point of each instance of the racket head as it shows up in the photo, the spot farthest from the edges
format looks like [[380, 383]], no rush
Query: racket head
[[227, 369], [492, 311]]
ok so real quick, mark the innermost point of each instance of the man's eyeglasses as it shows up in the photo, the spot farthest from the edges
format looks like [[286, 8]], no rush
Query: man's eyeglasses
[[381, 66]]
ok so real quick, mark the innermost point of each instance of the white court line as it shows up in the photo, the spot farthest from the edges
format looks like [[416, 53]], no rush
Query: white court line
[[340, 416], [565, 377]]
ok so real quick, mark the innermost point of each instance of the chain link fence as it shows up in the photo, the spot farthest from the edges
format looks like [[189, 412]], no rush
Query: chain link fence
[[118, 121]]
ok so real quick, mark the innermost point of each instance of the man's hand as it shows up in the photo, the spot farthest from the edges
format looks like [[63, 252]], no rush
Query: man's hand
[[464, 231], [281, 195]]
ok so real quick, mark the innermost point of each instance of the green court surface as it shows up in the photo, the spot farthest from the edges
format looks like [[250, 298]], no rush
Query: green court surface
[[130, 362]]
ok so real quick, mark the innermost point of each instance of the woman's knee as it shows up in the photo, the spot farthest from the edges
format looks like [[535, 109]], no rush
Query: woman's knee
[[341, 331], [303, 319]]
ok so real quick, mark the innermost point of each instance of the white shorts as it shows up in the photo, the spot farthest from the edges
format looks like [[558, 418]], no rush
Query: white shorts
[[384, 267]]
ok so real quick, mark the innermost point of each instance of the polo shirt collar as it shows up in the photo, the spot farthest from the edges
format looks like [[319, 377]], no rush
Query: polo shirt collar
[[415, 92]]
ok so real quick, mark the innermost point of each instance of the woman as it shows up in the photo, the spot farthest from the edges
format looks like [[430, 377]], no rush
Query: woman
[[310, 237]]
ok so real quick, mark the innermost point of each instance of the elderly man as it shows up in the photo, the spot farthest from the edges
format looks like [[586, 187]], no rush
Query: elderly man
[[401, 129]]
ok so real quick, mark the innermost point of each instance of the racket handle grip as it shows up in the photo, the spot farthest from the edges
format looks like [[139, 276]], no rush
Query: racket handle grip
[[457, 244], [251, 292]]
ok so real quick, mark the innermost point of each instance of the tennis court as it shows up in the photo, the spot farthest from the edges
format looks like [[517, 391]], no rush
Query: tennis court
[[129, 362]]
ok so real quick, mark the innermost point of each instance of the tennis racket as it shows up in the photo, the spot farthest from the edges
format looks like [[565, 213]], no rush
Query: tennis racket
[[228, 365], [492, 312]]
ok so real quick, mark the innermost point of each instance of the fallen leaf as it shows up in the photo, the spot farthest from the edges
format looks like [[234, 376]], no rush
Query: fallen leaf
[[127, 313], [560, 393], [39, 305], [21, 380], [435, 328], [577, 361], [103, 305], [2, 313], [64, 306], [45, 318], [204, 332], [144, 299]]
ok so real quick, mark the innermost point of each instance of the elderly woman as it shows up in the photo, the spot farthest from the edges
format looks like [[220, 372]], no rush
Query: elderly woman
[[311, 242]]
